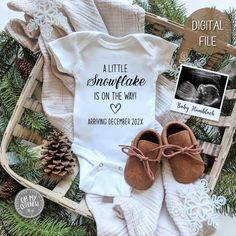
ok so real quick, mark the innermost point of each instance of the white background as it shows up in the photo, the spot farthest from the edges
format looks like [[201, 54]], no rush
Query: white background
[[228, 224]]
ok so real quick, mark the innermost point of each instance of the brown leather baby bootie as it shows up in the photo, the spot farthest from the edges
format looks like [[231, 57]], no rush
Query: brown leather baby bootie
[[144, 156], [181, 148]]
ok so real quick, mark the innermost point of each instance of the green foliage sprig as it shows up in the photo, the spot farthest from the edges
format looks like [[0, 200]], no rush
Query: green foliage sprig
[[170, 9], [27, 161], [15, 225], [231, 13], [9, 50]]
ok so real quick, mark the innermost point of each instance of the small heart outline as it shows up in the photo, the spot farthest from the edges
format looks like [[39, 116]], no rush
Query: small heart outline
[[115, 108]]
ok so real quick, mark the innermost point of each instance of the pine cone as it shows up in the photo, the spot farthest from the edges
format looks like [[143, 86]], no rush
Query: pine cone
[[56, 156], [9, 188], [24, 67]]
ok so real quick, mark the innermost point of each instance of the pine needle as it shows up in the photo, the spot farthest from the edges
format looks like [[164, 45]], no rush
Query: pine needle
[[9, 50], [170, 9], [36, 122], [27, 162], [231, 14], [74, 192], [226, 186], [19, 226]]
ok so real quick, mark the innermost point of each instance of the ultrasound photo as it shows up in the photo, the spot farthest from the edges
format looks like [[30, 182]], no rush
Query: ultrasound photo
[[201, 86], [201, 90]]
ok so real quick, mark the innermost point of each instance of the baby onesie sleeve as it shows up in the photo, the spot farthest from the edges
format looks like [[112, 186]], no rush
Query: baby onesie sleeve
[[66, 50], [161, 51], [164, 56]]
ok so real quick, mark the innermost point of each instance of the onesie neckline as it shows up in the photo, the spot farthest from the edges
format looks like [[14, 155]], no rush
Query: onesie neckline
[[112, 42]]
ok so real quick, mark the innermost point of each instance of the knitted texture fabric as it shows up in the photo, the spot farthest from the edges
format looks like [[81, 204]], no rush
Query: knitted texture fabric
[[172, 199], [188, 206], [151, 212], [107, 222], [141, 211], [166, 225], [179, 209]]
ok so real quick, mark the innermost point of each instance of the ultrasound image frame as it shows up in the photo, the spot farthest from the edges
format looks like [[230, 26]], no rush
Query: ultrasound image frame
[[199, 92]]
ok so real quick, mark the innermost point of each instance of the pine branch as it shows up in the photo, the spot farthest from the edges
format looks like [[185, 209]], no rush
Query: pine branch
[[226, 186], [227, 107], [3, 231], [10, 91], [36, 122], [9, 50], [224, 62], [74, 192], [78, 231], [27, 159], [231, 14], [18, 226], [54, 211], [29, 56], [3, 123], [230, 163], [170, 9], [3, 175], [203, 131], [90, 227], [11, 86]]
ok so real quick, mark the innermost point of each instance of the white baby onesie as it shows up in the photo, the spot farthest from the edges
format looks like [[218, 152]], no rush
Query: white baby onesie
[[114, 99]]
